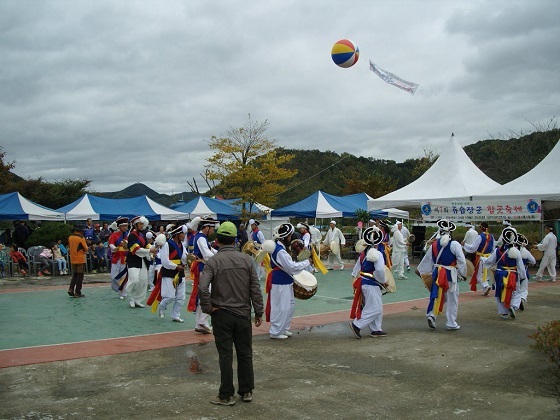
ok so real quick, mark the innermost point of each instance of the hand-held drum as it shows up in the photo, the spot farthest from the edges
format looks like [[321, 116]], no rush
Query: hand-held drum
[[305, 285]]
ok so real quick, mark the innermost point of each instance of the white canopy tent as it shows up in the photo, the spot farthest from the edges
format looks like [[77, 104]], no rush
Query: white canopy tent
[[542, 182], [452, 175]]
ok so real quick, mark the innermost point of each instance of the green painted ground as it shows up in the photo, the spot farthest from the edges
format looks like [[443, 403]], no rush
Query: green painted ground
[[47, 317]]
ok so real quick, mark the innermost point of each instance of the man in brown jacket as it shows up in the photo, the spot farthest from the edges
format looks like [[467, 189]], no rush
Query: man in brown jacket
[[77, 249], [235, 286]]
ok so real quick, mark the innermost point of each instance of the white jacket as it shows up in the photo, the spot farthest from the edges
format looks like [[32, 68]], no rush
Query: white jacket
[[334, 235]]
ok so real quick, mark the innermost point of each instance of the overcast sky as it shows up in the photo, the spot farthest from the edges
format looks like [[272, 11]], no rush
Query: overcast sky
[[120, 92]]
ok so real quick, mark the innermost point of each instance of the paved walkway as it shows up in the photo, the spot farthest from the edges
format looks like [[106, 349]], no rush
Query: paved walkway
[[487, 370], [41, 323]]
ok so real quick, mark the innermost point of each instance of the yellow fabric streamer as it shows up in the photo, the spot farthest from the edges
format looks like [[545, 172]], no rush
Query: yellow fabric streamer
[[266, 263], [317, 262], [155, 306], [437, 303]]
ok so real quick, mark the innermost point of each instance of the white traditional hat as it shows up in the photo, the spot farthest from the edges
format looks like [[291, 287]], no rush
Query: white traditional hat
[[333, 222]]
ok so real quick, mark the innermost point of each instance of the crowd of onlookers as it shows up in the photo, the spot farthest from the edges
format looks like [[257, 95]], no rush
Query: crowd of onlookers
[[55, 255]]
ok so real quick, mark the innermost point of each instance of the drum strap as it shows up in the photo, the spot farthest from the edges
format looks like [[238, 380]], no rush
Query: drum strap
[[368, 278]]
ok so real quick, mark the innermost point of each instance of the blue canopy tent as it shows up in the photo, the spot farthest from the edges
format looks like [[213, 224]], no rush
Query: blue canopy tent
[[318, 205], [99, 208], [260, 209], [206, 206], [359, 201], [14, 206]]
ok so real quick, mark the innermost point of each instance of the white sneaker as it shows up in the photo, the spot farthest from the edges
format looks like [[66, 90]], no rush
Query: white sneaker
[[132, 304], [341, 268], [279, 336], [161, 314], [139, 305], [288, 333], [455, 328], [177, 320]]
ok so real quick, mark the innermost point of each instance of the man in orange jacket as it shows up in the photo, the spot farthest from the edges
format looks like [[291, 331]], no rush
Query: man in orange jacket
[[77, 249]]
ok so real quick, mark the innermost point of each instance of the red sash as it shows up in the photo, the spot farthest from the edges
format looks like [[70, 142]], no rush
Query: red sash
[[268, 287], [195, 275], [155, 295], [358, 302]]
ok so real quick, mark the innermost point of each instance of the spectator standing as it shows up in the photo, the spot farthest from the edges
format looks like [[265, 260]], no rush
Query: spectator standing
[[242, 237], [21, 234], [89, 230], [235, 288], [77, 249], [4, 259], [104, 233]]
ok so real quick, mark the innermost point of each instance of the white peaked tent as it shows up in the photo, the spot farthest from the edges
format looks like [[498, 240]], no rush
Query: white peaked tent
[[542, 182], [452, 175]]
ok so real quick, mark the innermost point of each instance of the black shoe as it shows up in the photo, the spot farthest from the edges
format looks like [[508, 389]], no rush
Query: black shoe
[[378, 334], [522, 305], [511, 313], [431, 322], [355, 330], [226, 401], [79, 295], [70, 293]]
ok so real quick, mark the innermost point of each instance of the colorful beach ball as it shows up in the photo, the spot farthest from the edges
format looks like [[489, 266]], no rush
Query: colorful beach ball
[[345, 53]]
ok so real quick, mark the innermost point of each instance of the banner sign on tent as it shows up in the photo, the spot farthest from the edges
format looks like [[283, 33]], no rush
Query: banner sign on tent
[[480, 210]]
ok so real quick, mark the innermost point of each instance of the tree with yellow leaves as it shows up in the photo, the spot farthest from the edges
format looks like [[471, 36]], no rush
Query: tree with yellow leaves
[[247, 165]]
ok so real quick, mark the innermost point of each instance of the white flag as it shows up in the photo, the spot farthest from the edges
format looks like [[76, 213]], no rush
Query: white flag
[[393, 79]]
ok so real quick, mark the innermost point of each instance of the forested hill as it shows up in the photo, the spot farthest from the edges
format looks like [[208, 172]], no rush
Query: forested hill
[[501, 160]]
